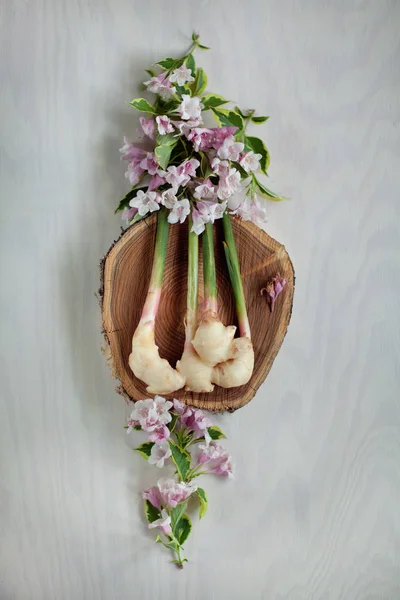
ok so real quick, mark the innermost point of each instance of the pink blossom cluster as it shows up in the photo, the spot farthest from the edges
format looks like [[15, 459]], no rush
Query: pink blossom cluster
[[155, 417], [187, 191]]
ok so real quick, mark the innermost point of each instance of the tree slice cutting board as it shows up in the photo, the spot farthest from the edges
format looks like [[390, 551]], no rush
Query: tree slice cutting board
[[125, 276]]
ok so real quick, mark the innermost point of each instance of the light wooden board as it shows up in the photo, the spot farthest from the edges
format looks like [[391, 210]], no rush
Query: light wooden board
[[313, 512]]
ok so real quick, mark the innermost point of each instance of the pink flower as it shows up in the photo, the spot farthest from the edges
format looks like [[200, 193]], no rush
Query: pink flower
[[181, 76], [211, 211], [195, 420], [163, 407], [129, 214], [159, 454], [134, 172], [161, 86], [145, 202], [274, 288], [164, 125], [216, 458], [148, 127], [179, 407], [172, 492], [230, 149], [205, 191], [168, 198], [149, 164], [228, 184], [198, 221], [201, 137], [251, 210], [189, 167], [220, 134], [145, 413], [185, 127], [153, 496], [180, 211], [160, 434], [131, 152], [190, 107], [220, 167], [250, 161], [155, 182], [164, 523], [180, 176], [131, 424]]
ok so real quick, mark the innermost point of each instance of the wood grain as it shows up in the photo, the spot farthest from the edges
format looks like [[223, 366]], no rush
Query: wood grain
[[124, 275], [313, 511]]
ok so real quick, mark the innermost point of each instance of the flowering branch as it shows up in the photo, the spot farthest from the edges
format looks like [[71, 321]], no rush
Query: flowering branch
[[187, 167], [171, 430]]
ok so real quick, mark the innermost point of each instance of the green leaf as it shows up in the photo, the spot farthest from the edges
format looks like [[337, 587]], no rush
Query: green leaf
[[151, 512], [172, 423], [212, 101], [145, 449], [176, 515], [242, 171], [216, 433], [124, 203], [259, 119], [237, 109], [190, 63], [151, 72], [142, 105], [166, 108], [258, 147], [205, 166], [226, 118], [183, 529], [181, 458], [264, 191], [203, 47], [137, 428], [165, 145], [199, 84], [194, 36], [202, 496], [137, 218], [167, 63]]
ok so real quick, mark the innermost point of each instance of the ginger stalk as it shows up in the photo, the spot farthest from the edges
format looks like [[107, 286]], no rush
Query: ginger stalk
[[238, 370], [212, 341], [196, 373], [145, 360]]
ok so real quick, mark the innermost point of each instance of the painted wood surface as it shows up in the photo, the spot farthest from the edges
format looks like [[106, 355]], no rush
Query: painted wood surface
[[313, 511]]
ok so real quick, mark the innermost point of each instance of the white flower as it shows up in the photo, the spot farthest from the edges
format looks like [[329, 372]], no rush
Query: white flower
[[228, 184], [168, 198], [172, 492], [181, 75], [206, 191], [164, 523], [185, 127], [211, 211], [146, 414], [198, 221], [250, 161], [162, 407], [159, 85], [220, 167], [176, 177], [179, 211], [145, 202], [164, 125], [230, 149], [190, 108], [159, 454]]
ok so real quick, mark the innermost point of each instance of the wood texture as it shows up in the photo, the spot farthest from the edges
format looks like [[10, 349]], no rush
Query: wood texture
[[313, 511], [125, 275]]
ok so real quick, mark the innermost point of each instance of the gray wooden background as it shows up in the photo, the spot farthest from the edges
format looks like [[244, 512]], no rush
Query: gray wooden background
[[314, 510]]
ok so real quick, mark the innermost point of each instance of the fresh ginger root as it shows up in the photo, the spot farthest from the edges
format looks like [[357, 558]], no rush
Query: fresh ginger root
[[213, 341], [239, 369], [147, 364], [196, 373]]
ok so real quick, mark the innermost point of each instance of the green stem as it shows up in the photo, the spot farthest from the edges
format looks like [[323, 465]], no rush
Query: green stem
[[210, 278], [157, 273], [192, 283], [236, 280]]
